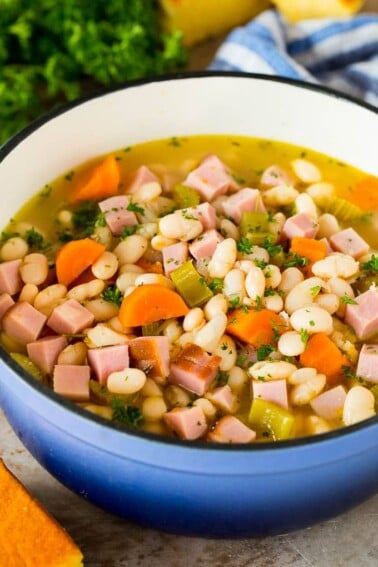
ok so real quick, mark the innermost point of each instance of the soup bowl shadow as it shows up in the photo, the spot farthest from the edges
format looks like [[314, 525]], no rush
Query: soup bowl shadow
[[189, 488]]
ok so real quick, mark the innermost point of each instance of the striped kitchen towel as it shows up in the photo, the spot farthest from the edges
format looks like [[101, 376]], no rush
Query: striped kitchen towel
[[339, 53]]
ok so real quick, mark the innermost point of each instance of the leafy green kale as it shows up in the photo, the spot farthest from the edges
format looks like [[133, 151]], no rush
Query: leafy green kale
[[50, 50]]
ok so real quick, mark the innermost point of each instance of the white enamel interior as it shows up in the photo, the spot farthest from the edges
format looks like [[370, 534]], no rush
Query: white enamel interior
[[203, 105]]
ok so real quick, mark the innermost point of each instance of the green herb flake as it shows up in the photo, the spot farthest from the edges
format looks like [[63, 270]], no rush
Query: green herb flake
[[244, 245], [112, 294], [69, 176], [304, 336], [315, 290], [135, 208], [127, 414], [371, 265], [128, 231], [216, 285], [348, 300], [264, 351], [35, 239]]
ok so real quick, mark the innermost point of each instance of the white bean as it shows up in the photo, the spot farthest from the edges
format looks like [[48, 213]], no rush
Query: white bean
[[101, 309], [359, 405], [151, 388], [291, 344], [312, 319], [328, 301], [73, 354], [223, 258], [210, 335], [328, 225], [255, 283], [28, 293], [103, 235], [86, 290], [147, 192], [272, 275], [148, 230], [227, 351], [289, 279], [316, 425], [105, 266], [153, 408], [101, 335], [131, 249], [217, 304], [303, 294], [152, 278], [257, 253], [273, 303], [320, 192], [336, 265], [306, 171], [302, 375], [340, 287], [172, 330], [159, 242], [103, 411], [193, 319], [126, 381], [237, 379], [34, 269], [268, 370], [305, 204], [234, 286], [207, 407], [177, 397], [125, 280], [281, 195], [65, 217], [50, 296], [181, 226], [244, 265], [14, 249], [127, 268], [229, 230], [307, 390]]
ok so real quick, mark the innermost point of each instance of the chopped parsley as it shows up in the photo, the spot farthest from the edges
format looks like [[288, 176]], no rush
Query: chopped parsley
[[112, 294], [221, 379], [315, 290], [34, 239], [244, 245], [348, 300], [264, 351], [84, 218], [234, 303], [295, 260], [371, 265], [216, 285], [129, 415], [304, 336], [270, 247], [128, 231], [135, 208]]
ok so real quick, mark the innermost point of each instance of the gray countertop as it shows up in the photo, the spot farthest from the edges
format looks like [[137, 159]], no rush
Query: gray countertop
[[107, 541]]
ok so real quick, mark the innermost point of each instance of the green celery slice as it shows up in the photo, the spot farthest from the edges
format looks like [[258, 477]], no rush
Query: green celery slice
[[191, 285], [185, 196], [343, 210], [265, 416], [28, 365]]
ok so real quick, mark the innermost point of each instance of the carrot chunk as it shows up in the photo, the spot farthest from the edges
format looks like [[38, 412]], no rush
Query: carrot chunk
[[150, 303], [365, 193], [322, 353], [256, 327], [75, 257], [101, 182], [310, 248]]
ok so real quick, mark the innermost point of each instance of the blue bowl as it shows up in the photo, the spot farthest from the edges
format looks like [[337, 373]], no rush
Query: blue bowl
[[189, 488]]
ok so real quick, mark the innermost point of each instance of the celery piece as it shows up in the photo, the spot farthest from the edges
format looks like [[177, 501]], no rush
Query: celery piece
[[185, 196], [152, 329], [28, 365], [265, 416], [254, 226], [191, 285], [343, 210]]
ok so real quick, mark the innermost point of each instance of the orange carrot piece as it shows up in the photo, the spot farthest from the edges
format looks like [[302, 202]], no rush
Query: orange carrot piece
[[310, 248], [150, 267], [256, 327], [75, 257], [365, 193], [100, 183], [322, 353], [150, 303]]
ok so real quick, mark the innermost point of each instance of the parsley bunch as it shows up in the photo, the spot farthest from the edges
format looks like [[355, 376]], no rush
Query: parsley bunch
[[49, 50]]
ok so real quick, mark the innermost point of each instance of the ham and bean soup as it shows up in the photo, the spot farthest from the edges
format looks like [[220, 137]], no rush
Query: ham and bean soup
[[212, 287]]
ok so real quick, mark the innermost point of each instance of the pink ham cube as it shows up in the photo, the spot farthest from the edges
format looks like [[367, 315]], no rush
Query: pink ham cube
[[117, 216], [349, 242], [205, 213], [244, 200], [211, 178], [151, 354], [204, 246], [194, 369], [44, 352], [5, 303], [300, 224], [72, 381], [363, 315], [108, 359], [70, 317], [142, 176], [367, 366], [274, 176], [10, 279], [174, 256], [23, 322], [230, 429], [330, 404], [187, 423], [274, 391], [223, 398]]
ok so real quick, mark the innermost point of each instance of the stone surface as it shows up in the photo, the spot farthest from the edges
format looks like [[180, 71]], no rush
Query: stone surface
[[107, 541]]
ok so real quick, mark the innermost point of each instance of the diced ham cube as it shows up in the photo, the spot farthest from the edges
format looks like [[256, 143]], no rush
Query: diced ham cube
[[6, 303], [108, 359], [204, 246], [300, 224], [188, 423], [142, 176], [367, 366], [210, 179], [72, 381], [223, 398], [23, 322], [273, 176], [274, 391], [349, 242], [194, 369], [70, 317], [205, 213], [363, 315], [117, 216], [10, 279], [151, 354], [330, 404], [230, 429], [44, 352], [174, 256], [244, 200]]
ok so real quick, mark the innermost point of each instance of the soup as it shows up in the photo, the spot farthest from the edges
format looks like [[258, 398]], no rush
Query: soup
[[210, 287]]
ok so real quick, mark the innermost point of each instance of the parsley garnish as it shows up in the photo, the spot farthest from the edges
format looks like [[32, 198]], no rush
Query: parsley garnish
[[221, 378], [135, 208], [244, 245], [348, 300], [34, 239], [216, 285], [128, 231], [272, 249], [295, 260], [264, 351], [84, 218], [130, 415], [371, 265], [315, 290], [304, 336], [112, 294], [234, 302]]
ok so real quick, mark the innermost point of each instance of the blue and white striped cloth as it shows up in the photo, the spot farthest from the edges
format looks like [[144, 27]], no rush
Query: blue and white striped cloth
[[339, 53]]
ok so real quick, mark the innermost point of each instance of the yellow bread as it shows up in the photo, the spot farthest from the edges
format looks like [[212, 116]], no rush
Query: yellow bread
[[295, 10], [201, 19], [29, 536]]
